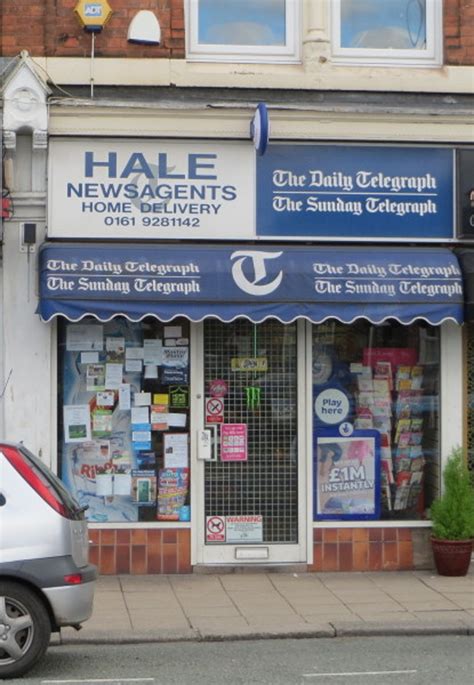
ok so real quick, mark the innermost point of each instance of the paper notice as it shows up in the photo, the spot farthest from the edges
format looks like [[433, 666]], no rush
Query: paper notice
[[124, 396]]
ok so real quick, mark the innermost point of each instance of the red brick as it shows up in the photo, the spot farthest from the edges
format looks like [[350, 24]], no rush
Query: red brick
[[404, 534], [170, 536], [184, 551], [360, 534], [345, 556], [390, 534], [390, 556], [375, 534], [123, 536], [123, 559], [405, 555], [94, 536], [107, 537], [154, 559], [170, 559], [138, 559], [317, 557], [330, 557], [375, 556], [138, 536], [154, 536], [330, 534], [360, 556], [94, 555], [317, 534], [107, 560], [344, 534]]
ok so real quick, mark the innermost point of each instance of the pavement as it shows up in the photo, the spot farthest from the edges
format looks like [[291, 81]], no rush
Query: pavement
[[253, 605]]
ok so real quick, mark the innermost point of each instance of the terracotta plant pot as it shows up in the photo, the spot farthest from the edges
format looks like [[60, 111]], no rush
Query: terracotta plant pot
[[452, 557]]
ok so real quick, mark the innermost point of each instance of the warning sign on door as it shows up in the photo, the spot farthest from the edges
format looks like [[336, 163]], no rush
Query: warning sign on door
[[214, 410], [244, 528], [215, 529]]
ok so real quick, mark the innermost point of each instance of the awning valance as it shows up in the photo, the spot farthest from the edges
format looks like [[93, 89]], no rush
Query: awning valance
[[466, 260], [253, 281]]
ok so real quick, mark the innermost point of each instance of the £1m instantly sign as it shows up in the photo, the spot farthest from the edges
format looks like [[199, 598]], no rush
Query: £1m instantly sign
[[355, 193]]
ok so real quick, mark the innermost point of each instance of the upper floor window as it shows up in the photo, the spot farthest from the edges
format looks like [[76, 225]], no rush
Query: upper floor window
[[384, 32], [243, 30]]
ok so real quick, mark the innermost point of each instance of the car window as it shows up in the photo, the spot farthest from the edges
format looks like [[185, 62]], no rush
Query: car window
[[52, 482]]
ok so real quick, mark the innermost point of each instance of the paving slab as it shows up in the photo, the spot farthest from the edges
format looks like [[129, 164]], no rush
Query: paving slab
[[268, 605], [212, 611], [377, 608]]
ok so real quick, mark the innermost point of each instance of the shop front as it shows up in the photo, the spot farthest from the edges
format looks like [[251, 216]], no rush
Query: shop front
[[259, 360], [244, 418]]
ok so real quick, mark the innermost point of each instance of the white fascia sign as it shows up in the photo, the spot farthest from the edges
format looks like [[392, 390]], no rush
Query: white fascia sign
[[139, 189]]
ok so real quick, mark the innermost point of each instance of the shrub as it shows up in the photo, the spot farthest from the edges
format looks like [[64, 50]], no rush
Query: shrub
[[452, 514]]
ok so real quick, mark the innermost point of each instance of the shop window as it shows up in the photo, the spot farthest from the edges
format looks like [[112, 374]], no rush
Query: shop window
[[387, 31], [124, 418], [376, 420], [243, 30]]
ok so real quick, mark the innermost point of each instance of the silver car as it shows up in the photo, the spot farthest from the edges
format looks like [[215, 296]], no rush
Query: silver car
[[46, 581]]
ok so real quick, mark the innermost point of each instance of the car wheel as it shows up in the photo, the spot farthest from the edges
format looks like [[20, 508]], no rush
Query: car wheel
[[25, 629]]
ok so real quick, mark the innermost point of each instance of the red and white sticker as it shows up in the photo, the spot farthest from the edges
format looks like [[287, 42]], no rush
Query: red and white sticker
[[214, 410], [215, 529]]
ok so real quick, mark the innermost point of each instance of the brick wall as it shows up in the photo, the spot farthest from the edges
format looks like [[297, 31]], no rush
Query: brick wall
[[49, 27], [155, 551], [459, 32], [371, 549], [141, 550]]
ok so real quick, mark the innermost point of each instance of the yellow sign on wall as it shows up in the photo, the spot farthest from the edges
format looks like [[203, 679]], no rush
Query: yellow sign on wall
[[93, 14], [249, 364]]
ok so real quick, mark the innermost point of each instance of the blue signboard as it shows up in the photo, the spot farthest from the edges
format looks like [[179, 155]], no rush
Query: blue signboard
[[355, 192], [284, 282]]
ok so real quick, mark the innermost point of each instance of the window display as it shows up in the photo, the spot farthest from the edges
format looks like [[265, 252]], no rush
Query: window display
[[383, 379], [124, 418]]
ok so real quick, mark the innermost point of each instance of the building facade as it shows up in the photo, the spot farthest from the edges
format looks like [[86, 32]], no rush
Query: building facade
[[236, 275]]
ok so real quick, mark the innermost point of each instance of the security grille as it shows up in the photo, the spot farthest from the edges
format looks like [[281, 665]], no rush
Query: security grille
[[266, 401]]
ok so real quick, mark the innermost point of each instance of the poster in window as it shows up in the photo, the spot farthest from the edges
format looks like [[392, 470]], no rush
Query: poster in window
[[347, 475]]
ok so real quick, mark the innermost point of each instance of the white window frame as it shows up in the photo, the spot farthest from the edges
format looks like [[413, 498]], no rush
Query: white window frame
[[286, 54], [431, 56]]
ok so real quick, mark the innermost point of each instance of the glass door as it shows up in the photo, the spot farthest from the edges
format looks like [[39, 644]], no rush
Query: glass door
[[251, 510]]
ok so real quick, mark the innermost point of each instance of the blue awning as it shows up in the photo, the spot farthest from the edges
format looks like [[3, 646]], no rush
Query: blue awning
[[252, 281]]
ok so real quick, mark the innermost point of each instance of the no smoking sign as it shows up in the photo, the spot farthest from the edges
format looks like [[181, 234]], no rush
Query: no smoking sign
[[214, 410]]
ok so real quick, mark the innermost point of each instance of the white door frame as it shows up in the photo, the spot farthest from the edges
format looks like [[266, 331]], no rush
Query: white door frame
[[216, 554]]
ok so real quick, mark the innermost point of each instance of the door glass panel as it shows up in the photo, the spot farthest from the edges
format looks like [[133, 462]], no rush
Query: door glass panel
[[256, 367]]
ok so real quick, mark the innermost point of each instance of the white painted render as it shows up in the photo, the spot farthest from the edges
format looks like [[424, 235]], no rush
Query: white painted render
[[26, 407], [311, 75], [75, 117]]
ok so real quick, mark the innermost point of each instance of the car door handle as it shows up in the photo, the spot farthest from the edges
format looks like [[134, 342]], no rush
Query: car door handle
[[3, 501]]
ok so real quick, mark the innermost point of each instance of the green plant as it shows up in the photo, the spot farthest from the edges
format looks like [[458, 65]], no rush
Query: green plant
[[452, 514]]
